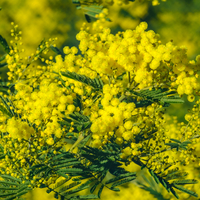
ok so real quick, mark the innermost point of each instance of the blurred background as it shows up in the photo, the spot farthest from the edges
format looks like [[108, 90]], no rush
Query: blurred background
[[174, 20]]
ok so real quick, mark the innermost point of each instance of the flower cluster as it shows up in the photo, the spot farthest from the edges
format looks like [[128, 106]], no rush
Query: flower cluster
[[127, 64], [137, 55], [142, 54]]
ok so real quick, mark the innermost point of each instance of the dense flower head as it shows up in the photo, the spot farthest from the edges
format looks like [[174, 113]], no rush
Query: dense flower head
[[19, 129]]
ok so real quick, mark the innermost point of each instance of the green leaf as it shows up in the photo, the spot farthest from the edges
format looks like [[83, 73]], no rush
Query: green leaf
[[172, 100], [4, 89], [41, 46], [11, 198], [83, 197], [10, 178], [5, 102], [85, 140], [126, 180], [153, 190], [70, 170], [57, 51], [23, 189], [42, 169], [156, 179], [183, 182], [49, 190], [8, 183], [61, 182], [59, 156], [2, 58], [81, 187], [76, 1], [93, 9], [8, 194], [185, 190], [129, 174], [186, 143], [91, 12], [63, 175], [3, 65], [89, 196], [143, 166], [36, 166], [5, 45], [175, 175], [174, 193], [88, 18], [172, 144], [174, 140], [83, 79], [9, 188], [56, 195], [163, 183], [100, 191], [154, 176], [48, 172], [115, 189], [67, 187], [117, 171], [5, 111], [167, 167], [65, 163], [79, 128], [92, 189]]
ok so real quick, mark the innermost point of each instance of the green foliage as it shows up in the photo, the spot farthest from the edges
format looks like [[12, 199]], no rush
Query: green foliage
[[95, 83], [57, 51], [11, 187], [161, 95], [6, 109], [5, 45], [151, 186], [87, 169], [1, 59], [176, 144], [81, 122], [90, 11], [5, 86], [165, 178]]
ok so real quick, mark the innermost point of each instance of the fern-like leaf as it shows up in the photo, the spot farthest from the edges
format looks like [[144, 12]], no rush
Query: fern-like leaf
[[11, 188], [84, 197], [129, 174], [162, 95], [57, 51], [173, 174], [123, 181], [185, 190], [7, 109], [176, 144], [95, 83], [67, 187], [5, 45]]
